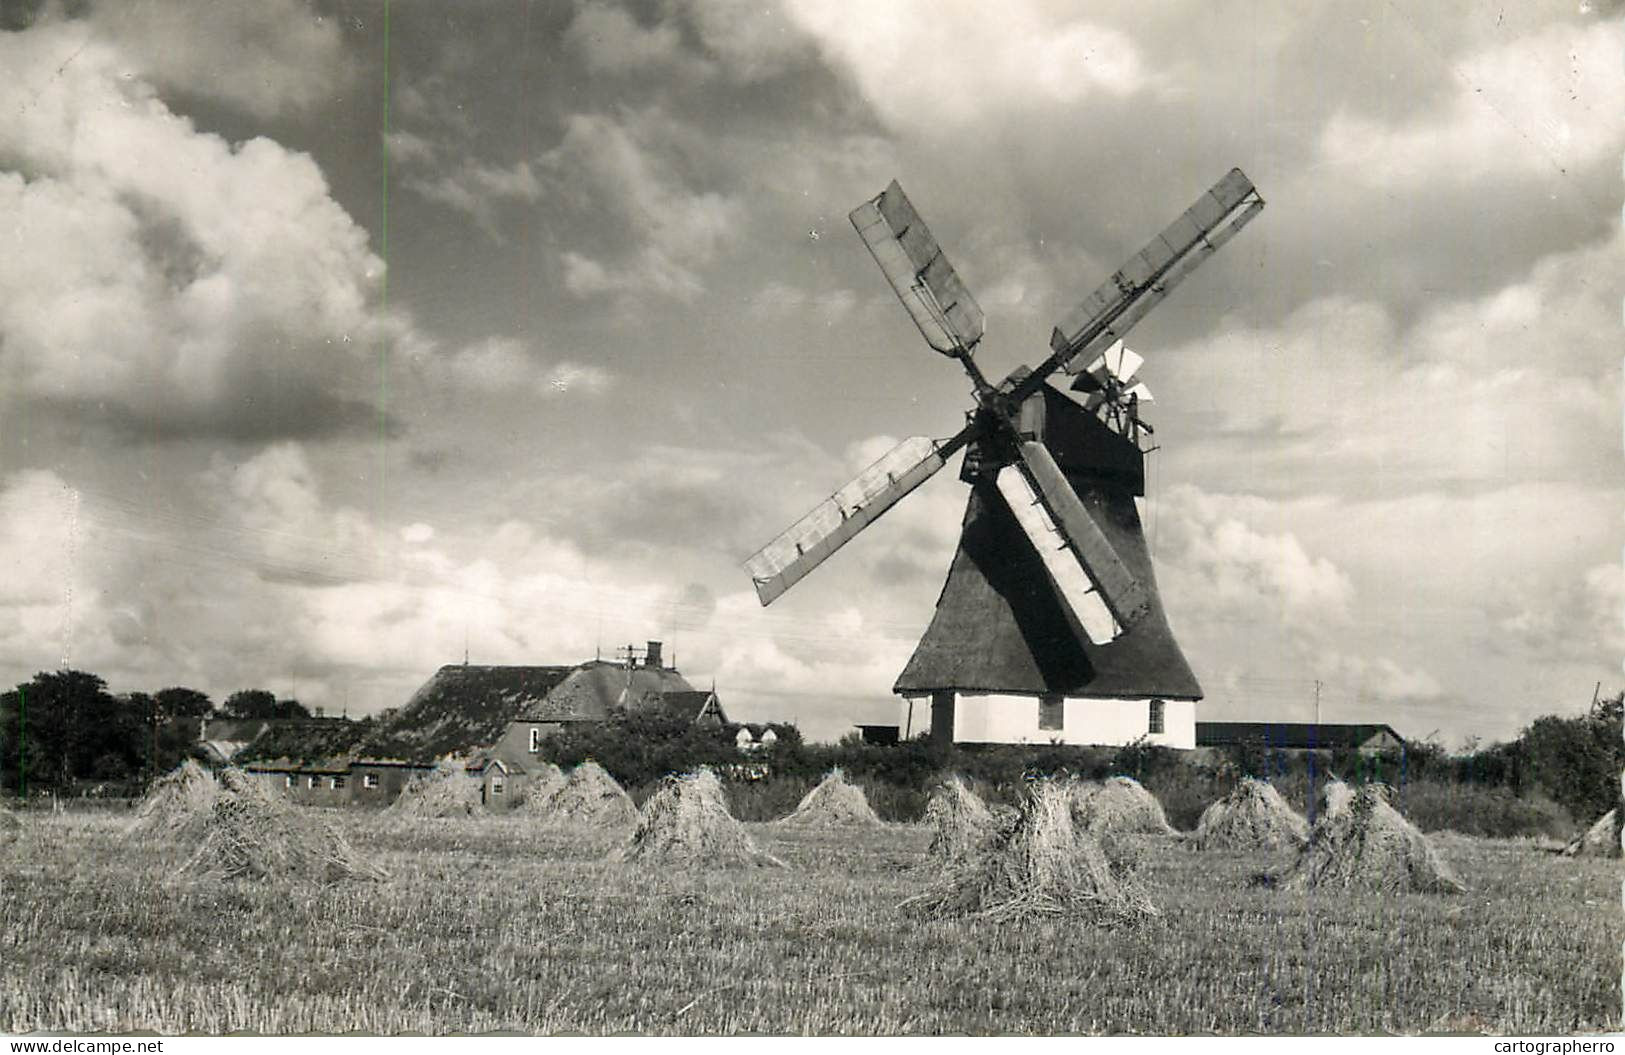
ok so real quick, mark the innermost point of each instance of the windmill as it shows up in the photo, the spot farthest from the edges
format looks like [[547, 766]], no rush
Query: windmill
[[1051, 593]]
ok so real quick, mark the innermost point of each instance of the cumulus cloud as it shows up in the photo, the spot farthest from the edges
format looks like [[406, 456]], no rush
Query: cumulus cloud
[[1226, 567], [1582, 618], [1499, 594], [257, 572], [1512, 384], [272, 506], [930, 66], [40, 524], [1378, 678], [163, 276], [753, 40], [265, 58], [1267, 621], [777, 300], [610, 40], [507, 367], [77, 593], [579, 378], [742, 40], [1544, 103], [472, 187], [673, 231]]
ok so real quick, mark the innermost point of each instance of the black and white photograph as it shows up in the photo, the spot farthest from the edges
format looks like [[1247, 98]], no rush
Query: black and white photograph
[[811, 518]]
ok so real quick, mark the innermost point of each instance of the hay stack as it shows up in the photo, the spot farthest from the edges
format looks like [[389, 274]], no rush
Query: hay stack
[[963, 825], [834, 804], [541, 785], [449, 791], [1120, 806], [252, 834], [1360, 841], [1599, 840], [1045, 864], [1253, 816], [589, 799], [686, 822], [178, 804]]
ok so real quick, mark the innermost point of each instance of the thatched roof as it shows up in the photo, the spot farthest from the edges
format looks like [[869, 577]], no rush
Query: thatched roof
[[464, 708], [459, 709], [691, 704], [999, 625], [593, 690], [308, 740]]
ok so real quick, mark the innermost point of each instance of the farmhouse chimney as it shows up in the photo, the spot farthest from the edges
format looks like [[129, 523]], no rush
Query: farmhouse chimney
[[651, 658]]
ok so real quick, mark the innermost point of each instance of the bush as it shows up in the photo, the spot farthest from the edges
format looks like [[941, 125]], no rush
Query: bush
[[1577, 761], [640, 749], [1496, 813], [1558, 769]]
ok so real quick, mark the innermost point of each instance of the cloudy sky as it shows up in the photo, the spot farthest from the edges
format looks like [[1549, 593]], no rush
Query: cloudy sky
[[337, 334]]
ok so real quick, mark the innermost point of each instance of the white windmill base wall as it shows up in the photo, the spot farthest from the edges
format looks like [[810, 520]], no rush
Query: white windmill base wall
[[1093, 720]]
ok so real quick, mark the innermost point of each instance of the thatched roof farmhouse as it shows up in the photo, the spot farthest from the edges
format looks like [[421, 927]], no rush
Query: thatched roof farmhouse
[[492, 718]]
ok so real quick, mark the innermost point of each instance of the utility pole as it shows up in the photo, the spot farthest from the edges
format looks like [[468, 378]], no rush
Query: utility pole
[[1317, 708]]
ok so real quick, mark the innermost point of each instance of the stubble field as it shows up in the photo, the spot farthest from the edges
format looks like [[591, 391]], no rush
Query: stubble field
[[486, 924]]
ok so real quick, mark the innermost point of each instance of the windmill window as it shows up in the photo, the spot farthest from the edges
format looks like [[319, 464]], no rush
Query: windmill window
[[1156, 723], [535, 739], [1051, 713], [369, 780]]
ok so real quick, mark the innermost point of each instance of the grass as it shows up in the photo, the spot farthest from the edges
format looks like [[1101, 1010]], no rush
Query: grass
[[487, 926]]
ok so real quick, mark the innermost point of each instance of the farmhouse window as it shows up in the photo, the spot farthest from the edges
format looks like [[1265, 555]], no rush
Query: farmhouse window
[[369, 780], [336, 783], [287, 780], [310, 781], [1156, 723], [535, 739], [1051, 713], [496, 785]]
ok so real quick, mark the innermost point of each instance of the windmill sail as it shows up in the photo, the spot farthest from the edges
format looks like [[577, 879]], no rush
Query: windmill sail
[[1116, 584], [914, 264], [1113, 309], [812, 539], [1077, 592]]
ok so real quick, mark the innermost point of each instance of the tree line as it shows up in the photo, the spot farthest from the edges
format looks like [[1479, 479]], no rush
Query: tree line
[[63, 732], [1572, 761]]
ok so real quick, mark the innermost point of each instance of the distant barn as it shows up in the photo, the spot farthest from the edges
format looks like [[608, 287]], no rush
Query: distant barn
[[1367, 738]]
